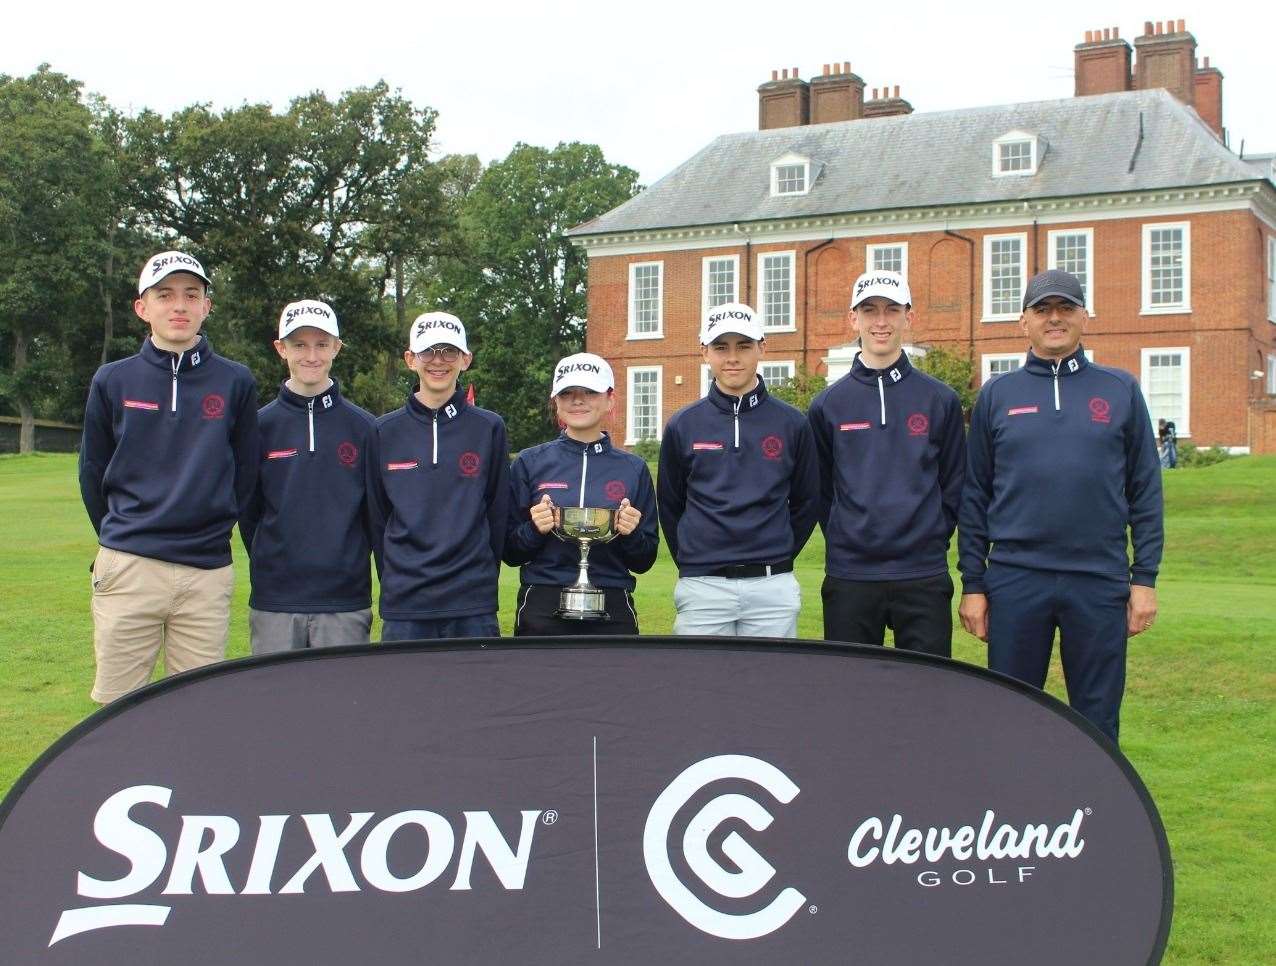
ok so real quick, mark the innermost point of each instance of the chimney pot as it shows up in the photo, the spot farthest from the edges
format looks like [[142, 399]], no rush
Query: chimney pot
[[795, 73], [1116, 33], [1147, 28], [775, 75], [785, 74], [1107, 33], [826, 70], [1160, 27], [1207, 63], [846, 67], [1182, 27], [1089, 36], [897, 90], [874, 93]]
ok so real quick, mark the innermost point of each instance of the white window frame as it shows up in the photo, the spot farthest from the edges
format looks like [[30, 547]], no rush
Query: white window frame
[[1016, 137], [1052, 258], [1182, 427], [789, 365], [987, 276], [630, 438], [1271, 277], [1271, 373], [706, 377], [988, 358], [704, 280], [787, 161], [660, 304], [791, 255], [871, 250], [1178, 308]]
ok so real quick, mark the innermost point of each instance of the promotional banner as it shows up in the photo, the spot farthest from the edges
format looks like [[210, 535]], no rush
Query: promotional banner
[[586, 801]]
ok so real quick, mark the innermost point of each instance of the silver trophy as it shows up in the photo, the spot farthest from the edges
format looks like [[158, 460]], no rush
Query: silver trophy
[[582, 601]]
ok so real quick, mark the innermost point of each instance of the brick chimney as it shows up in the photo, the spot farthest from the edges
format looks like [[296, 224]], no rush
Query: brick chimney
[[1166, 58], [887, 105], [784, 101], [837, 95], [1208, 82], [1102, 63]]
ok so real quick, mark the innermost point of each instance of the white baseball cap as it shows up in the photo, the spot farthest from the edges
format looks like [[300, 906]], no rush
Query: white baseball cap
[[437, 328], [584, 370], [160, 266], [887, 285], [731, 317], [308, 313]]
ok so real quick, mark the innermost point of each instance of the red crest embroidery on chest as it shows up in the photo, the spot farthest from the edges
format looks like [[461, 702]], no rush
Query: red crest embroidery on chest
[[347, 453], [1100, 410], [214, 406], [615, 490], [470, 463], [772, 447], [918, 424]]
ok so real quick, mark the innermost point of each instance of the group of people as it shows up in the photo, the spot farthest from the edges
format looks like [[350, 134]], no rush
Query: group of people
[[1060, 461]]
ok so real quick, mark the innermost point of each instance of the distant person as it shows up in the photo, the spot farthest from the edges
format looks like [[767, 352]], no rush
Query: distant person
[[1062, 462], [168, 463], [1167, 443], [308, 530], [738, 491], [580, 468], [892, 449], [442, 497]]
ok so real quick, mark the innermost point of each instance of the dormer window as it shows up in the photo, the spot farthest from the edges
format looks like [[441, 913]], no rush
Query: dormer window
[[1015, 153], [790, 175]]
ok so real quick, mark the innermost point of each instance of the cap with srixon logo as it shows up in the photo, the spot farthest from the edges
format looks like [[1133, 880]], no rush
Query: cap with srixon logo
[[731, 317], [887, 285], [1053, 282], [160, 266], [308, 313], [437, 328], [584, 370]]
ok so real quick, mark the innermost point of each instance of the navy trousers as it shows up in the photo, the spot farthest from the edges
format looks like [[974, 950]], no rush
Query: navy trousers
[[481, 625], [1089, 610]]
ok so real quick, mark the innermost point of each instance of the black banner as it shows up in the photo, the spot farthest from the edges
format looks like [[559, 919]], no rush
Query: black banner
[[587, 801]]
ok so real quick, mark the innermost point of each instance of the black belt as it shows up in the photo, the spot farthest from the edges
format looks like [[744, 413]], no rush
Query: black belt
[[741, 571]]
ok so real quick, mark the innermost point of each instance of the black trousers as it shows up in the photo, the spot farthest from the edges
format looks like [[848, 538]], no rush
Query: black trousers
[[918, 611], [536, 607]]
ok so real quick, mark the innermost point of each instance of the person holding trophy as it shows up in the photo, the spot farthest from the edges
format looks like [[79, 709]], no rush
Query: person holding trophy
[[582, 515]]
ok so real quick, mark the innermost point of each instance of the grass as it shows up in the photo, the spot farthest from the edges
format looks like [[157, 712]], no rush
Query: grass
[[1199, 721]]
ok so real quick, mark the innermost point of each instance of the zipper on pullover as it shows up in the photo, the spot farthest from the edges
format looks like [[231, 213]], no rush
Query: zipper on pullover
[[435, 424], [310, 409], [1056, 384], [736, 417], [881, 395], [584, 472], [176, 363]]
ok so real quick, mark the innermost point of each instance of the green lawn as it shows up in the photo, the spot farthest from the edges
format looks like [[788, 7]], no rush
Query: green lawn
[[1199, 721]]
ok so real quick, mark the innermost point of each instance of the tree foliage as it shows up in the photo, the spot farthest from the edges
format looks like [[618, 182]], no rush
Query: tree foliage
[[954, 369]]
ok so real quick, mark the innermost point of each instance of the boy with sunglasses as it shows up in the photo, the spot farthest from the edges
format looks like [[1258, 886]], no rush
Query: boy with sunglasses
[[443, 472]]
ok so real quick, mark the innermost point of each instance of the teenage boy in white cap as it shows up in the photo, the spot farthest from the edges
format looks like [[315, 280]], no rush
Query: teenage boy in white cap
[[579, 468], [168, 462], [441, 498], [892, 462], [738, 491], [308, 529]]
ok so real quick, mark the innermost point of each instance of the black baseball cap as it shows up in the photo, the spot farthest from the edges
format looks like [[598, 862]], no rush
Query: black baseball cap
[[1053, 282]]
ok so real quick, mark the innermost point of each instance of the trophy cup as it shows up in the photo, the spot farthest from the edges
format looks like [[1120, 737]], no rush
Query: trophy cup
[[582, 601]]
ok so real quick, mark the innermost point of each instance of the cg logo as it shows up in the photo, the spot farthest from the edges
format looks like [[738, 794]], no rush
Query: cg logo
[[772, 447], [754, 871], [348, 453], [470, 463], [1100, 410], [214, 406], [614, 490]]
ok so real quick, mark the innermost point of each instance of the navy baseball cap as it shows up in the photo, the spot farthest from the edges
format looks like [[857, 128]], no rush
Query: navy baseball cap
[[1053, 282]]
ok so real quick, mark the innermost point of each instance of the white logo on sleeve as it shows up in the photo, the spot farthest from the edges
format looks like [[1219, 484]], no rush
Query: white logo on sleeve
[[754, 871]]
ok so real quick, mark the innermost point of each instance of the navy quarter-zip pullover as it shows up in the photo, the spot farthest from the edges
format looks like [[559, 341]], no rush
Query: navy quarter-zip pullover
[[440, 512], [892, 453], [585, 475], [738, 482], [1062, 459], [169, 455], [308, 529]]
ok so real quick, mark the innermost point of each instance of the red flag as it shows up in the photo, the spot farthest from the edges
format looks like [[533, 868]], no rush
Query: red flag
[[469, 394]]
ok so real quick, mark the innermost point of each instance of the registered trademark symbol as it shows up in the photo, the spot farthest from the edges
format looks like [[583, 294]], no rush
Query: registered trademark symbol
[[1089, 810], [550, 816], [813, 909]]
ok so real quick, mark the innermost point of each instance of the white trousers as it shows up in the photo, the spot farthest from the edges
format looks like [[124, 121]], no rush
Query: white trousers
[[743, 607]]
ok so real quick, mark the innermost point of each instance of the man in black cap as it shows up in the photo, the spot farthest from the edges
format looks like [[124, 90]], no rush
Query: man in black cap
[[1062, 459]]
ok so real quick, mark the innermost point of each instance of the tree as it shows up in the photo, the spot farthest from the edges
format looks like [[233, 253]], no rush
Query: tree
[[50, 233], [953, 369], [800, 388], [519, 284]]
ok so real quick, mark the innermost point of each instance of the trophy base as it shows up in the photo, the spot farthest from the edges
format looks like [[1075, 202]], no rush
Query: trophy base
[[575, 604]]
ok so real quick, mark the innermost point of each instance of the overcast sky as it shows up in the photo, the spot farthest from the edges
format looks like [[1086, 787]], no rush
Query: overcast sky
[[650, 82]]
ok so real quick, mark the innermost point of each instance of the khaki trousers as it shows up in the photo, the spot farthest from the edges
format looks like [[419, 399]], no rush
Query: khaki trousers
[[141, 606]]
